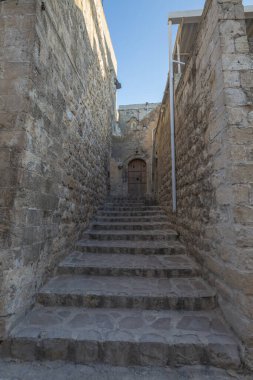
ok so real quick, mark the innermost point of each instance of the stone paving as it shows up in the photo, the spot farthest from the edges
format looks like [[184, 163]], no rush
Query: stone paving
[[126, 303], [139, 265], [14, 370], [109, 291], [124, 324], [131, 336], [131, 208], [128, 219], [132, 235], [134, 247], [131, 226]]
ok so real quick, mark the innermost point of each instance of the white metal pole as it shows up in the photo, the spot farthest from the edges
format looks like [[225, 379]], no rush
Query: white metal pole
[[172, 121], [178, 58]]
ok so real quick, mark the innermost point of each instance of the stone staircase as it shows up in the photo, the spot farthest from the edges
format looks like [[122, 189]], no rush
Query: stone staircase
[[128, 295]]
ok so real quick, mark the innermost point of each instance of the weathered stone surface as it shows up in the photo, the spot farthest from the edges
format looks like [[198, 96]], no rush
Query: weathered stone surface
[[15, 370], [128, 226], [133, 139], [149, 293], [127, 265], [57, 107], [125, 337], [131, 235], [114, 308], [213, 136], [131, 247]]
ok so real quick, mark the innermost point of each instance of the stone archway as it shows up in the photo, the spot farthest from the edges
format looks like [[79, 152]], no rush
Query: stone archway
[[137, 178]]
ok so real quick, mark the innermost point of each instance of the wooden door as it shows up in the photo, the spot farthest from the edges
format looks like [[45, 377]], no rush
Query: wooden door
[[137, 178]]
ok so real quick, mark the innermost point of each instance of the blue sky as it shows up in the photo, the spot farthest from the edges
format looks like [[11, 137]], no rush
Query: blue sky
[[139, 33]]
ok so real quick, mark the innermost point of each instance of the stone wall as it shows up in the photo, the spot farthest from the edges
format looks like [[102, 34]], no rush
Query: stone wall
[[249, 30], [214, 145], [57, 107], [132, 139]]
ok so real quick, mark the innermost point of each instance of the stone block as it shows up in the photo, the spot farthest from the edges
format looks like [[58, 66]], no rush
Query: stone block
[[244, 239], [12, 103], [243, 215], [242, 174], [241, 193], [18, 37], [8, 177], [231, 79], [250, 118], [224, 195], [34, 217], [235, 97], [246, 78], [19, 86], [7, 197], [237, 153], [15, 70], [240, 136], [230, 10], [232, 29], [237, 116], [14, 54], [242, 44], [4, 158], [236, 62], [13, 8]]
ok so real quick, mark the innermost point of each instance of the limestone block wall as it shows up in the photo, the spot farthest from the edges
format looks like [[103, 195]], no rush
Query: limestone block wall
[[132, 139], [214, 145], [57, 107], [249, 31]]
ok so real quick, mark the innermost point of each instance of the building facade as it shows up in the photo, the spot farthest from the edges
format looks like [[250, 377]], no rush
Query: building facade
[[132, 150], [57, 107], [214, 144]]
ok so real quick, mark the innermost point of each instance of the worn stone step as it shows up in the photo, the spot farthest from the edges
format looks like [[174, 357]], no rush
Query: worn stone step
[[131, 226], [128, 265], [128, 292], [124, 337], [131, 219], [148, 214], [130, 199], [133, 208], [159, 247], [62, 370], [125, 204], [131, 235]]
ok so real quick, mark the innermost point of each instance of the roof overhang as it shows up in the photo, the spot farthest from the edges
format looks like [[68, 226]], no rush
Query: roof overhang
[[194, 16], [188, 22], [189, 17]]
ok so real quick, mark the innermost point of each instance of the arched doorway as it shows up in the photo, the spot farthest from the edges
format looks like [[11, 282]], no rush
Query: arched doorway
[[137, 178]]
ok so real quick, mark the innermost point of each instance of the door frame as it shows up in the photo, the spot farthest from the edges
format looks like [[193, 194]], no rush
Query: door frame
[[146, 175]]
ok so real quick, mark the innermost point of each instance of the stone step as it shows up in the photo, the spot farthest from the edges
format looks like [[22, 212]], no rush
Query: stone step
[[160, 247], [131, 219], [127, 200], [125, 204], [123, 337], [131, 235], [148, 214], [128, 292], [131, 226], [128, 265], [134, 208], [62, 370]]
